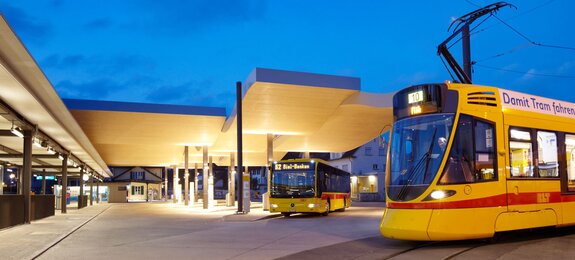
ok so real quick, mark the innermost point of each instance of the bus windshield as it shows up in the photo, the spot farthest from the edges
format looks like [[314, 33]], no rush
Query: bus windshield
[[417, 147], [293, 184]]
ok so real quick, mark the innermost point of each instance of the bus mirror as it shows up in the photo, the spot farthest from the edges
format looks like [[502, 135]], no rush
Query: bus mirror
[[501, 152]]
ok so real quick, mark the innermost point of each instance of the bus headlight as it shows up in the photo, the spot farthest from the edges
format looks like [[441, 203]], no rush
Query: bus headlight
[[311, 206], [439, 194], [275, 206]]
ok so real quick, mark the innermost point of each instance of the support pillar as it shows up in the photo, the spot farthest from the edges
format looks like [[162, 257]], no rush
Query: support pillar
[[205, 176], [165, 184], [186, 178], [98, 192], [81, 196], [27, 175], [196, 195], [239, 96], [306, 155], [1, 179], [43, 181], [269, 160], [64, 183], [175, 182], [91, 189], [231, 181], [211, 183]]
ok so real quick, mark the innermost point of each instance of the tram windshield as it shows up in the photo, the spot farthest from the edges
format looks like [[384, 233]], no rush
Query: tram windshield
[[293, 184], [418, 145]]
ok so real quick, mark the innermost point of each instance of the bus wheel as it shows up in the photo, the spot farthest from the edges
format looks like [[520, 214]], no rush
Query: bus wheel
[[327, 209], [344, 205], [286, 214]]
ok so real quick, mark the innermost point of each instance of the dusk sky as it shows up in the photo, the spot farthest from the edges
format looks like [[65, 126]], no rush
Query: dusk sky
[[193, 52]]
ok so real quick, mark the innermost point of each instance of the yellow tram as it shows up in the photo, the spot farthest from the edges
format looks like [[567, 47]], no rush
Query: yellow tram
[[467, 161]]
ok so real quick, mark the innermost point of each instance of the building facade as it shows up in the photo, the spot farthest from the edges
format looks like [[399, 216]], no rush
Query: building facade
[[367, 167], [135, 184]]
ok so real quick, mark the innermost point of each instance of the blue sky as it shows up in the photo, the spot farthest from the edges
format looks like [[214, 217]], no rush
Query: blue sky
[[193, 52]]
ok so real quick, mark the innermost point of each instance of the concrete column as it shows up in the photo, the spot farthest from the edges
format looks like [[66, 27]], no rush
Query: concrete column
[[43, 181], [19, 180], [175, 182], [166, 184], [64, 182], [269, 160], [27, 175], [211, 184], [91, 189], [1, 179], [186, 178], [306, 155], [81, 196], [205, 177], [196, 182], [231, 180], [98, 192]]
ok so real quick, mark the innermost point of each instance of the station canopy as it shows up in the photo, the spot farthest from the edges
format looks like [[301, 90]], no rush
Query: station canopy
[[304, 112], [28, 102]]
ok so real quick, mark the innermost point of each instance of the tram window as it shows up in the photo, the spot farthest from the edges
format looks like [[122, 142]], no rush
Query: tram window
[[570, 153], [471, 161], [547, 160], [521, 153], [484, 151]]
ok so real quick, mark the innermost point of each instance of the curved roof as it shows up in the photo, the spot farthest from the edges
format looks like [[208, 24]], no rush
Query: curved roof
[[304, 112], [25, 89]]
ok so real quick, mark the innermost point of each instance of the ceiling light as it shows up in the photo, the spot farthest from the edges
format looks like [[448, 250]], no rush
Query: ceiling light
[[17, 131], [51, 150], [37, 142], [60, 156]]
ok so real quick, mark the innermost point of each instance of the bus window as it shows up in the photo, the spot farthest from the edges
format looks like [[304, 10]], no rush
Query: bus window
[[547, 160], [521, 153], [570, 152]]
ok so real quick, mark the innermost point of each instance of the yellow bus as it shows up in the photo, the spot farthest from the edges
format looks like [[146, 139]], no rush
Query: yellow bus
[[308, 186], [467, 161]]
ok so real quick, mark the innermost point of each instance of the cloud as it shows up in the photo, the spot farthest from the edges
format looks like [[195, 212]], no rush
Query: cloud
[[96, 89], [98, 24], [197, 93], [529, 74], [27, 27], [98, 65], [182, 16]]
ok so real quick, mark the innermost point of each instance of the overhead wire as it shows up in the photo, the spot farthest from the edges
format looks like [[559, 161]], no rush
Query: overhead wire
[[528, 73], [529, 43]]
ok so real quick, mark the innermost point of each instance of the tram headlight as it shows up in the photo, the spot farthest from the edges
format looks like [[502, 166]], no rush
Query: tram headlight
[[311, 206], [275, 206], [439, 194]]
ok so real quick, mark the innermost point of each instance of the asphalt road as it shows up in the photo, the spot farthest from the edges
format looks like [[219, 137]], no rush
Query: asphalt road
[[167, 231]]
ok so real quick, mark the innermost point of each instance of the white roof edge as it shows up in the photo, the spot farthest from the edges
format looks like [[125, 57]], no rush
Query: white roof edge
[[29, 74]]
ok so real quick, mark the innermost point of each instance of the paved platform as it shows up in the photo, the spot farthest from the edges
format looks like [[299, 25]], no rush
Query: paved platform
[[167, 230], [172, 231]]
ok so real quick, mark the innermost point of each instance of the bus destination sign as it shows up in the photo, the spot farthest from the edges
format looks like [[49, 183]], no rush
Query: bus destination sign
[[291, 166]]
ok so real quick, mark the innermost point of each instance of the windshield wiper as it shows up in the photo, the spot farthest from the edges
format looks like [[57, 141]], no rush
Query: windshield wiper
[[429, 154], [412, 174]]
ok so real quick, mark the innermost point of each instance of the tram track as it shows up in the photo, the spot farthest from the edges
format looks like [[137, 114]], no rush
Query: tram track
[[434, 246]]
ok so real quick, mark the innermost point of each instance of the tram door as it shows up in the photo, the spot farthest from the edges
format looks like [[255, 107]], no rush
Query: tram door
[[522, 171]]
